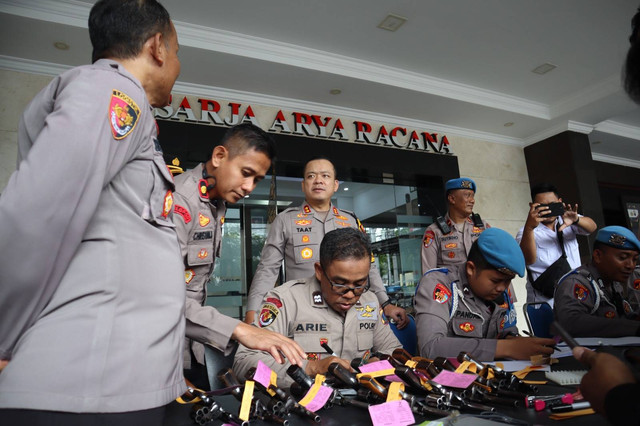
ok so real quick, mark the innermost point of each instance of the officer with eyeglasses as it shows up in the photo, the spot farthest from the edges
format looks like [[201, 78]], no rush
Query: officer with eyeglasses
[[332, 307]]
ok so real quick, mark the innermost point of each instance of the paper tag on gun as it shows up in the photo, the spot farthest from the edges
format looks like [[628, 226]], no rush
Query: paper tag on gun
[[262, 374], [384, 368], [394, 413], [454, 380]]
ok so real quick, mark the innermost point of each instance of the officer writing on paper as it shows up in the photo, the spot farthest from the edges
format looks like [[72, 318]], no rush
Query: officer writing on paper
[[237, 164], [466, 308], [333, 306], [549, 241], [295, 236], [448, 240], [598, 299]]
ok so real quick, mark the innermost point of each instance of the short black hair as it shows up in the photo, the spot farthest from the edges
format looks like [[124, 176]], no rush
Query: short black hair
[[321, 157], [541, 188], [243, 137], [475, 256], [632, 63], [119, 28], [342, 244]]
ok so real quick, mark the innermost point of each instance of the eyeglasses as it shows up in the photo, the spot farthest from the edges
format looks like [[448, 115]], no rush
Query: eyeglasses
[[342, 289]]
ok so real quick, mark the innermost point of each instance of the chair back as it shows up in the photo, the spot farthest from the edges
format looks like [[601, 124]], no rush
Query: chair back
[[539, 316], [216, 361], [407, 336]]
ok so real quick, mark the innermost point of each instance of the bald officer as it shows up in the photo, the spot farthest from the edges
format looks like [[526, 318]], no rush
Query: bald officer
[[450, 244], [295, 237], [466, 307], [333, 306], [598, 299]]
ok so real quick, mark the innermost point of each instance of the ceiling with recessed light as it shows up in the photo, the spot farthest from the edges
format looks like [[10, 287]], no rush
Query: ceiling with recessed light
[[460, 67]]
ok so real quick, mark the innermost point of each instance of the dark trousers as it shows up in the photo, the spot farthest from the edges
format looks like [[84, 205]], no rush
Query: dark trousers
[[16, 417]]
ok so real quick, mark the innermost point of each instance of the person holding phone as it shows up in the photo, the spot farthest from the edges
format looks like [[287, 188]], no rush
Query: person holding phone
[[549, 222]]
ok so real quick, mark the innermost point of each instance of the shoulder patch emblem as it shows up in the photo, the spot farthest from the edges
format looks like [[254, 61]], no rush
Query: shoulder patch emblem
[[204, 220], [580, 292], [268, 314], [610, 314], [467, 327], [317, 298], [429, 236], [123, 114], [303, 222], [202, 189], [441, 293], [306, 253], [275, 301], [186, 216], [168, 204], [188, 275]]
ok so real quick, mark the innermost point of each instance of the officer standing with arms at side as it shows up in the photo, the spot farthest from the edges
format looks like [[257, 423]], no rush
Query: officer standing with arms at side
[[91, 304], [333, 306], [295, 236], [455, 308], [448, 241], [597, 299], [237, 164]]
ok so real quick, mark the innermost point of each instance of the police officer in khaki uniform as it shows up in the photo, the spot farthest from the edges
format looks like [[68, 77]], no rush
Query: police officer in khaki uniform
[[332, 307], [450, 244], [456, 308], [295, 236], [236, 165], [598, 299]]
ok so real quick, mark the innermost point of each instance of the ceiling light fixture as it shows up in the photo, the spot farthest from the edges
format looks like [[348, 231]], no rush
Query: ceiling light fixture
[[61, 45], [335, 91], [392, 22], [544, 68]]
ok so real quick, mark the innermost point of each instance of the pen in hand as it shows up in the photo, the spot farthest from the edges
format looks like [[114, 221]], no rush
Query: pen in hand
[[555, 348], [327, 348]]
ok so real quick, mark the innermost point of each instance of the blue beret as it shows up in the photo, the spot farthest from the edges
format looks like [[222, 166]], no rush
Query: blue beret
[[618, 237], [460, 183], [501, 251]]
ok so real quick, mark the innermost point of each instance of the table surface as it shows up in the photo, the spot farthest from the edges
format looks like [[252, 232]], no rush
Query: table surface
[[179, 415]]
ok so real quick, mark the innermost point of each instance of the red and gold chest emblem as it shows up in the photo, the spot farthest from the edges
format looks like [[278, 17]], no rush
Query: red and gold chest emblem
[[202, 186], [306, 209], [441, 293], [502, 322], [168, 204], [342, 217], [343, 224], [467, 327], [580, 292], [306, 253], [203, 253], [477, 230], [203, 220], [451, 255], [303, 222], [123, 114], [305, 238], [609, 314], [302, 215], [636, 284], [335, 211], [451, 245]]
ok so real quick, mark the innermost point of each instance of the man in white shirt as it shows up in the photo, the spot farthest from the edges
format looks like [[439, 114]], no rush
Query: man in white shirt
[[539, 241]]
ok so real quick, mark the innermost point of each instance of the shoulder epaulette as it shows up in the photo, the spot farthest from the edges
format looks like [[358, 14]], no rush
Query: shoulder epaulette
[[443, 270], [574, 271]]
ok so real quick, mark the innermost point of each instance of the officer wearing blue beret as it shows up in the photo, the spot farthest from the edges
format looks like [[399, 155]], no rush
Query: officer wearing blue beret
[[448, 243], [467, 308], [599, 298]]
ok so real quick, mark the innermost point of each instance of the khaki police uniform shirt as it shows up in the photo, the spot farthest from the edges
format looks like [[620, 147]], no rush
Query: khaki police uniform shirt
[[91, 304], [439, 250], [199, 226], [295, 236], [585, 306], [451, 319], [297, 310]]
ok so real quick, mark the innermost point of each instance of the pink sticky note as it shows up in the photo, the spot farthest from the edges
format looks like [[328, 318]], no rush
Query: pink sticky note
[[393, 378], [375, 366], [454, 380], [262, 374], [320, 399], [393, 413]]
